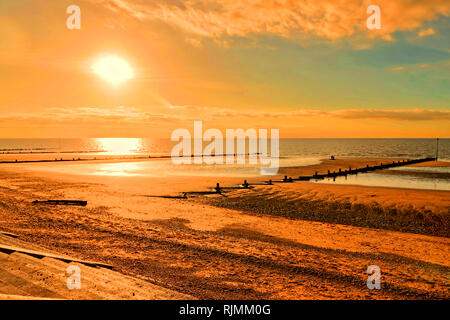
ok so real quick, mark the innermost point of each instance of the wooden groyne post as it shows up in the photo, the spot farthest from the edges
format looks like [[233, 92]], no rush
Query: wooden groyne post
[[437, 148]]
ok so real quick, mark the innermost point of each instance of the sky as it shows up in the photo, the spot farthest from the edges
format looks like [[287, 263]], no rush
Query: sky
[[308, 68]]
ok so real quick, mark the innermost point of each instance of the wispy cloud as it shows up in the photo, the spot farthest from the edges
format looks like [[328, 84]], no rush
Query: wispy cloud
[[402, 115], [174, 114], [375, 114], [82, 115], [331, 19], [426, 32], [441, 65]]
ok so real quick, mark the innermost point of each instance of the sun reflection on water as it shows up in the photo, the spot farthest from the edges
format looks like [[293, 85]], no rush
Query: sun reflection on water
[[119, 146], [122, 169]]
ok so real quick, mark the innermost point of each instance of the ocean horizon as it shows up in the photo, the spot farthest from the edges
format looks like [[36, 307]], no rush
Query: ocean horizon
[[289, 147]]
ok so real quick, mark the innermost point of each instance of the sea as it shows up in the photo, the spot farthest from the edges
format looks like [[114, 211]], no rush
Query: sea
[[292, 152], [301, 148]]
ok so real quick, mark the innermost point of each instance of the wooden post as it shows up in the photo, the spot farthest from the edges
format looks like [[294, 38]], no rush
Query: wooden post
[[437, 148]]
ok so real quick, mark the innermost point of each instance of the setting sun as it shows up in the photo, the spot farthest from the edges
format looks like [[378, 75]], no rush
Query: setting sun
[[113, 69]]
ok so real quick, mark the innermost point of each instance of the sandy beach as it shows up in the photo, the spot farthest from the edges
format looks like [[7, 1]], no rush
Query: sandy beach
[[296, 240]]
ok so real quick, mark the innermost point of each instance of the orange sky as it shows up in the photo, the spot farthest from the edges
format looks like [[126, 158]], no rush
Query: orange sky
[[308, 68]]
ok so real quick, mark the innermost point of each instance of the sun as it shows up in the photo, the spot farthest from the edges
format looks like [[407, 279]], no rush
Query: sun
[[113, 69]]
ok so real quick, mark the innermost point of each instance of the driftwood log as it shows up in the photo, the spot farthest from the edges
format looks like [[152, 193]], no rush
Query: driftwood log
[[62, 202]]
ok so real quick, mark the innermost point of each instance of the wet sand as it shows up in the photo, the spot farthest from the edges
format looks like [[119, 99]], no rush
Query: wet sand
[[287, 241]]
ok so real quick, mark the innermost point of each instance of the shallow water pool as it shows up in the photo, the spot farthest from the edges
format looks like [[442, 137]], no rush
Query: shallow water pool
[[392, 181]]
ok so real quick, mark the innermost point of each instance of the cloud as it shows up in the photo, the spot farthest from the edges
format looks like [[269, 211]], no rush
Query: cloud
[[402, 115], [423, 66], [179, 115], [212, 113], [194, 42], [330, 19], [426, 32], [399, 68], [124, 115]]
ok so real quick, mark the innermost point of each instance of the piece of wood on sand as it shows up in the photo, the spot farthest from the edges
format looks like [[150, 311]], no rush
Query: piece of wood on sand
[[62, 202]]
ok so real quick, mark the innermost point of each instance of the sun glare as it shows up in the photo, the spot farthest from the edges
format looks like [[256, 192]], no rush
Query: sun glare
[[119, 146], [115, 70]]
